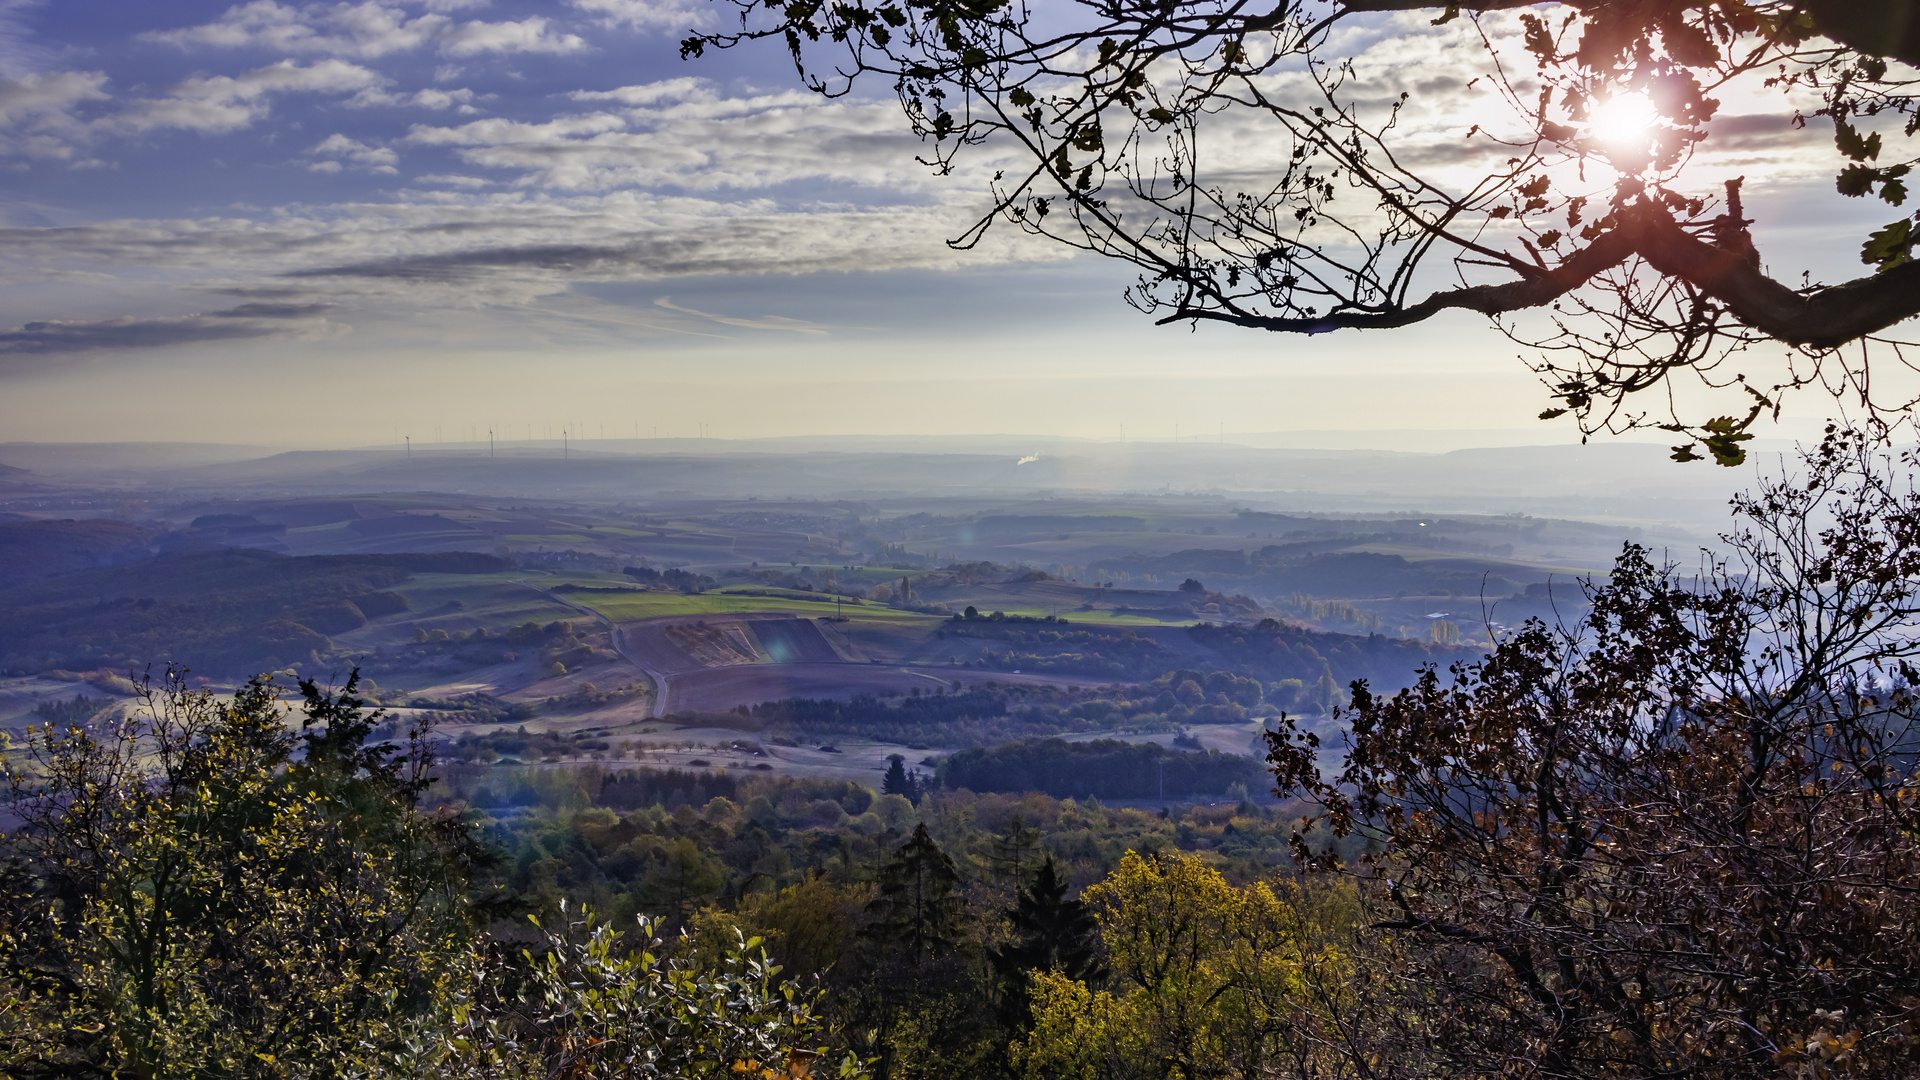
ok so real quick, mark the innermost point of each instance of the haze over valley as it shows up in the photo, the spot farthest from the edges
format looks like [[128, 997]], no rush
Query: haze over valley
[[669, 601]]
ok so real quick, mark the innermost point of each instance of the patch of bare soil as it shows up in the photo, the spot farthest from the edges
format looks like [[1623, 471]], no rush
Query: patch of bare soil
[[794, 641], [715, 644]]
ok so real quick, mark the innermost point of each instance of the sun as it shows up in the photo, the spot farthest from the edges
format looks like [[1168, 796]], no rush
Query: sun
[[1623, 119]]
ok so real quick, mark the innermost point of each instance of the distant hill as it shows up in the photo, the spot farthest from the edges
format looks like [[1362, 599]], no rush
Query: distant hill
[[230, 612], [32, 551], [1269, 650]]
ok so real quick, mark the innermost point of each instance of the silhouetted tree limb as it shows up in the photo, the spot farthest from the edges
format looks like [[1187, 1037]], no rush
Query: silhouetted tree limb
[[1330, 216], [1823, 318]]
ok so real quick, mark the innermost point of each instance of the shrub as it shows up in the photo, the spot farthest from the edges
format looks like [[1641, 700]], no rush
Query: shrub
[[596, 1007]]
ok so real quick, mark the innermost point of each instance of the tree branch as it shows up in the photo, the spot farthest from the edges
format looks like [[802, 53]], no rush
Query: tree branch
[[1823, 319], [1884, 28]]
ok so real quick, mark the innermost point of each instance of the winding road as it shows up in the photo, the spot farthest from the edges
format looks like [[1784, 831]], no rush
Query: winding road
[[657, 707]]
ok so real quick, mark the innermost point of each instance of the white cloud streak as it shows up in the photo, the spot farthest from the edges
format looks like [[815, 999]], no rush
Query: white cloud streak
[[366, 31], [459, 100], [683, 133], [765, 322], [56, 115], [229, 102], [337, 152], [38, 113], [649, 15], [20, 54]]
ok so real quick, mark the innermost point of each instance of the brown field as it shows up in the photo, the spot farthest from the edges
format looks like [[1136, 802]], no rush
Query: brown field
[[719, 643], [701, 663]]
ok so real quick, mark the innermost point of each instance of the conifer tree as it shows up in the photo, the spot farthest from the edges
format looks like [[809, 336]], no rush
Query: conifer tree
[[900, 782], [918, 905], [1052, 933]]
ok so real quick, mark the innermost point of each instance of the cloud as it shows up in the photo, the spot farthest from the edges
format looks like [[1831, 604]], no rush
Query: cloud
[[645, 15], [460, 101], [766, 322], [636, 183], [228, 102], [39, 113], [655, 93], [454, 181], [20, 54], [529, 35], [252, 320], [502, 252], [337, 151], [450, 251], [367, 30], [431, 98], [682, 133]]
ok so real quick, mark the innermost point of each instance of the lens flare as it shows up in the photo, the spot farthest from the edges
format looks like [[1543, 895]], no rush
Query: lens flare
[[1623, 119]]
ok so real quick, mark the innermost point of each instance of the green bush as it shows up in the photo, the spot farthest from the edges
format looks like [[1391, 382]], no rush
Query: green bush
[[196, 891], [595, 1006]]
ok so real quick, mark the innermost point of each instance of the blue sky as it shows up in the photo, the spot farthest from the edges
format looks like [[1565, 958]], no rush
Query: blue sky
[[326, 223]]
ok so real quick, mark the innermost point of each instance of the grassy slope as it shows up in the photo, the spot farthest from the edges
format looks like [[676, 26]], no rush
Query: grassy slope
[[635, 605]]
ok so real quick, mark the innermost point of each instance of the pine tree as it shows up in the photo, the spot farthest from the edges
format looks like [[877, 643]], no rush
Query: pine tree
[[919, 905], [1054, 934], [900, 782]]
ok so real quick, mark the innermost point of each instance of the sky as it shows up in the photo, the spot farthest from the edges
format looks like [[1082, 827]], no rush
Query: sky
[[289, 223]]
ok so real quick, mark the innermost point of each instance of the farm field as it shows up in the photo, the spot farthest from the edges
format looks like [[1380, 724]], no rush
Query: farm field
[[633, 605], [590, 608]]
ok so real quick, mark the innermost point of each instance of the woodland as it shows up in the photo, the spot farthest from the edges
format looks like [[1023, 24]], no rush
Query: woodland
[[1673, 838]]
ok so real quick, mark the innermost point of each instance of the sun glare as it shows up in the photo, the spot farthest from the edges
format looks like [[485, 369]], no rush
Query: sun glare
[[1623, 118]]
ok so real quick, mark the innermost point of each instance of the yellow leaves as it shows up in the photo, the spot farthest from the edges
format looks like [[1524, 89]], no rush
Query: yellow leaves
[[1074, 1030], [1201, 963], [1171, 908]]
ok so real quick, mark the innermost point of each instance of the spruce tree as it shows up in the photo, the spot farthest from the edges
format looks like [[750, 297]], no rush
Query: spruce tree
[[1052, 933], [918, 906], [900, 782]]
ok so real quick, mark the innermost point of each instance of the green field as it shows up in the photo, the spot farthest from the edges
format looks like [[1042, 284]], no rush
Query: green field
[[1100, 618], [749, 600], [632, 606]]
